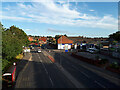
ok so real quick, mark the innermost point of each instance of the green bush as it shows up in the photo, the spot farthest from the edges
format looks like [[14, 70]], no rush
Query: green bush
[[112, 49], [5, 65], [103, 61], [115, 66]]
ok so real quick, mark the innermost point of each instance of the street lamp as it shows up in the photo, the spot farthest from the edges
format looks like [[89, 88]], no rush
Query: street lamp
[[60, 48]]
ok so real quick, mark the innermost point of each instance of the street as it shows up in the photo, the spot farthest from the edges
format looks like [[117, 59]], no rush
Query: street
[[60, 44], [41, 72], [88, 78]]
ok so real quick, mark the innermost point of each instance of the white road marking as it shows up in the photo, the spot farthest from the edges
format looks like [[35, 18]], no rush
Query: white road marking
[[51, 81], [99, 84], [46, 71], [81, 71], [85, 74]]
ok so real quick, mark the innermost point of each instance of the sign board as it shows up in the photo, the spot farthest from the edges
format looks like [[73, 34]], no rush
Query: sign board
[[75, 46], [66, 47]]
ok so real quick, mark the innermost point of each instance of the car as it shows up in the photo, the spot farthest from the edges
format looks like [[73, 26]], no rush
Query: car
[[39, 50], [92, 50], [32, 47]]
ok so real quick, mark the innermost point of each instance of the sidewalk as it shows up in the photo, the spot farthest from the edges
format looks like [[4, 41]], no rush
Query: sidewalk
[[93, 56], [110, 59], [20, 65]]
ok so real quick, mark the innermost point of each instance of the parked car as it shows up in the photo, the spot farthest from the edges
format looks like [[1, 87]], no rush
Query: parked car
[[39, 50], [92, 50]]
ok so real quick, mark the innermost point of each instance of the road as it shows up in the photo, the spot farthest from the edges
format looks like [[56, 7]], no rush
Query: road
[[40, 72], [88, 78]]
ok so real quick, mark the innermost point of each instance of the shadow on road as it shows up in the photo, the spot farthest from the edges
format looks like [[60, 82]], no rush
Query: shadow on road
[[20, 66]]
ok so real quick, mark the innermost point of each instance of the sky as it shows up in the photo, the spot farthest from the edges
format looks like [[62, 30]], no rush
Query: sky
[[90, 19]]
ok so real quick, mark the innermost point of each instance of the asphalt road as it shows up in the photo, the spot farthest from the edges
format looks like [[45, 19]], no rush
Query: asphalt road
[[40, 72], [88, 78]]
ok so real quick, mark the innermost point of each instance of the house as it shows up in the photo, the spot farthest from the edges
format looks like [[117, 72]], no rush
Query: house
[[86, 42], [42, 40], [64, 43], [30, 39]]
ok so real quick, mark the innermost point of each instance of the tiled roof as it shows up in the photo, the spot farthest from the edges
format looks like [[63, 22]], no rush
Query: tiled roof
[[80, 39], [30, 38], [43, 39], [64, 40]]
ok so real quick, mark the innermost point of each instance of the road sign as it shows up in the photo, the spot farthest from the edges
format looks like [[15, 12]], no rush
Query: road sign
[[66, 47]]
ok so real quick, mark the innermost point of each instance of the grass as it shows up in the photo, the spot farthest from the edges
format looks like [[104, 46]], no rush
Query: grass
[[115, 66], [20, 56]]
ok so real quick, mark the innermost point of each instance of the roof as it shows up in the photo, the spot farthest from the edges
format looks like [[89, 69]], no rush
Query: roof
[[64, 40], [88, 40], [43, 39], [30, 38]]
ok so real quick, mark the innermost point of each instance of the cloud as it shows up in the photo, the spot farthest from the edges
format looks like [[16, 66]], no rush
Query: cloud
[[60, 31], [51, 13], [56, 31], [27, 30], [92, 10]]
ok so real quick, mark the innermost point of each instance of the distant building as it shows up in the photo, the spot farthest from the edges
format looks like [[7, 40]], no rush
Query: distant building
[[63, 42], [86, 42], [42, 40], [30, 39]]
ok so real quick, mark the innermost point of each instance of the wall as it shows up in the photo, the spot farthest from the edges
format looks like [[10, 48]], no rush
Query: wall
[[116, 55], [63, 46]]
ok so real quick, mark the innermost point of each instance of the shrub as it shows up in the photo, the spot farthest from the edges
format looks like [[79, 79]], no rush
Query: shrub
[[5, 64], [97, 57], [103, 61], [115, 66]]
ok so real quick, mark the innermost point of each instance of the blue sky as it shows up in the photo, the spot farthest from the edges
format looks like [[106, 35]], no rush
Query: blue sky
[[91, 19]]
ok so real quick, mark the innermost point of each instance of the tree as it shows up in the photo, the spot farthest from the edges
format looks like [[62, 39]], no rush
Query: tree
[[115, 36], [65, 35], [49, 36], [57, 36], [12, 42]]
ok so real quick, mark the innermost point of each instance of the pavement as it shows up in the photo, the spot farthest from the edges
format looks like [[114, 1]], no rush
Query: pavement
[[93, 56]]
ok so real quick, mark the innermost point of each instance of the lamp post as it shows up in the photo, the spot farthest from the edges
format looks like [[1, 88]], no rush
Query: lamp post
[[60, 48]]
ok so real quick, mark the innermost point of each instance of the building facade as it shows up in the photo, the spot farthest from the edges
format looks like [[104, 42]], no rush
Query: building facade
[[64, 43]]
